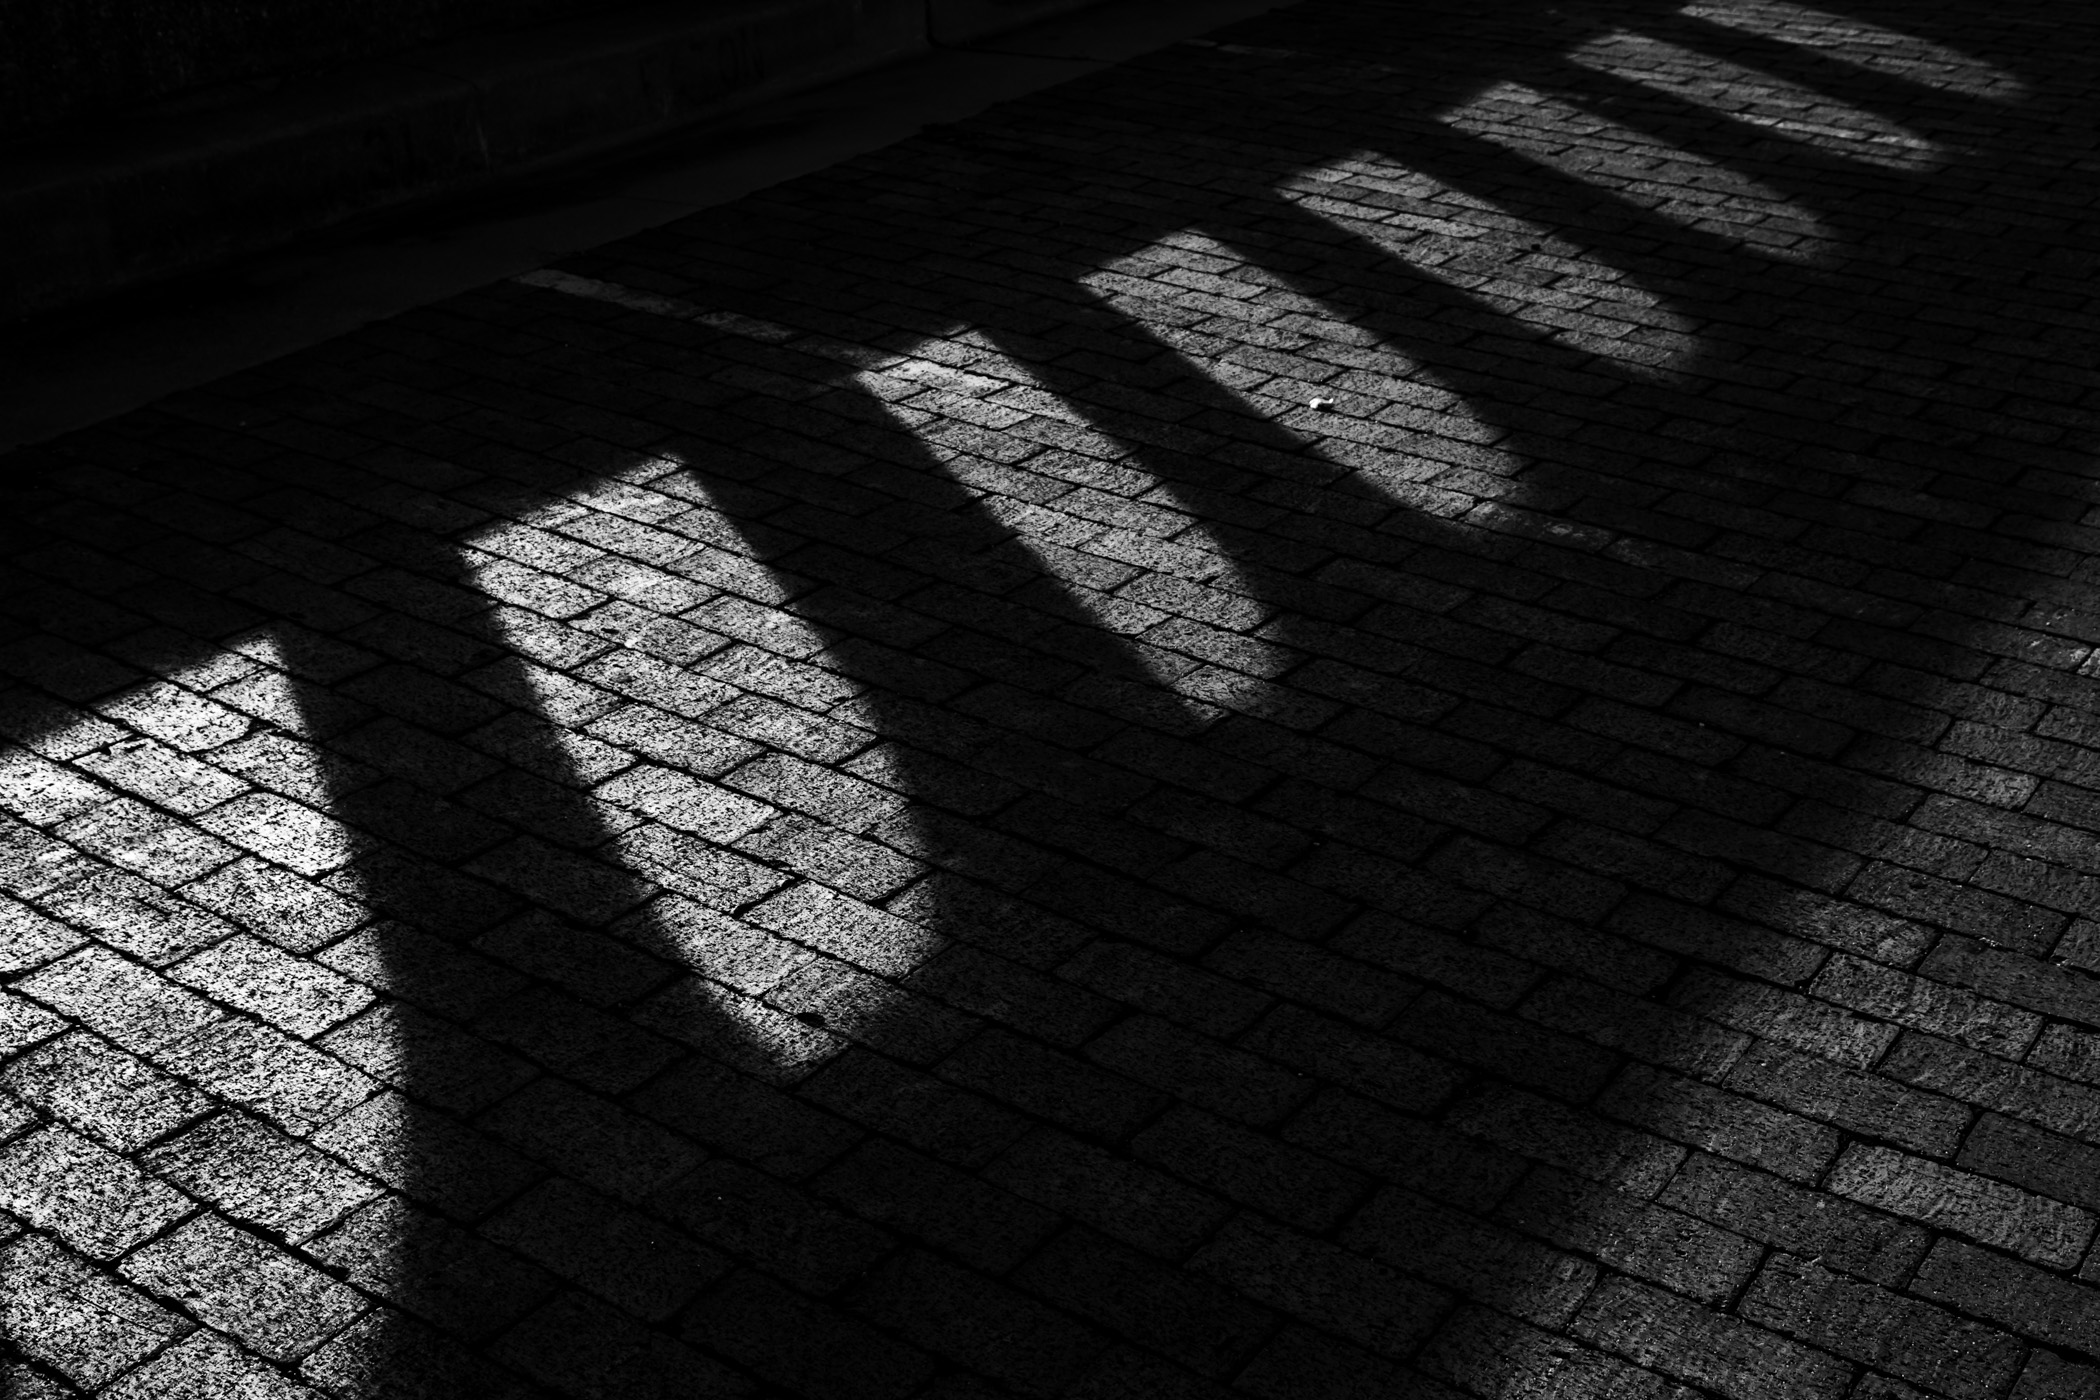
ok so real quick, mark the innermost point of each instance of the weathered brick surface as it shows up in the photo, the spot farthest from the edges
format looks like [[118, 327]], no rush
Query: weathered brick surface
[[1397, 704]]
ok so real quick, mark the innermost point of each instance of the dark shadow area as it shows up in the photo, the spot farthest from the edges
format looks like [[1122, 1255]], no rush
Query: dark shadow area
[[987, 845]]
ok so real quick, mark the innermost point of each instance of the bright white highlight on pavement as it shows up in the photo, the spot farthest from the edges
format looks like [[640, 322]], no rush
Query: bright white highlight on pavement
[[1123, 285], [171, 922], [1545, 283], [676, 819], [1071, 537], [1078, 538], [1680, 185], [1758, 99], [1868, 45]]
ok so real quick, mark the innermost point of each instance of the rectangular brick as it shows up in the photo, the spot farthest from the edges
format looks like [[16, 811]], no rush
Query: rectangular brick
[[736, 1031], [984, 1226], [1944, 1198], [1941, 1067], [1622, 856], [132, 1006], [1047, 1082], [1734, 1358], [657, 683], [717, 945], [1653, 1034], [201, 1366], [28, 939], [685, 745], [684, 802], [1249, 1167], [430, 1267], [1725, 839], [1304, 1360], [1857, 1100], [177, 717], [1964, 909], [254, 1173], [1574, 1140], [981, 1324], [1720, 1122], [2051, 1377], [1430, 1157], [834, 797], [429, 761], [1572, 947], [778, 1226], [428, 1155], [288, 1082], [1694, 933], [872, 869], [296, 914], [1952, 1355], [1505, 1045], [1854, 928], [2005, 975], [1319, 1283], [1487, 1351], [1798, 1219], [745, 1118], [696, 868], [1648, 1240], [818, 738], [1186, 1317], [160, 775], [2010, 1150], [1119, 1197], [1479, 1259], [115, 1097], [638, 1264], [153, 844], [94, 1200], [2050, 884], [428, 972], [1165, 986], [803, 1345], [1309, 973], [592, 1139], [1524, 880], [600, 969], [576, 1343], [2018, 1296], [946, 1121], [2074, 1054], [846, 928], [132, 915], [1199, 1070], [45, 793], [299, 997], [1928, 1005], [1776, 1014], [1339, 1053], [1428, 955], [279, 829], [1001, 989], [76, 1318]]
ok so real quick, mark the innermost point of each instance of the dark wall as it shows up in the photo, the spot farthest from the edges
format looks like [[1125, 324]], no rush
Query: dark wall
[[67, 62]]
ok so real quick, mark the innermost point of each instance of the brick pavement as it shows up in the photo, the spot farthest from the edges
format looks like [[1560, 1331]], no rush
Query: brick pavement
[[1401, 705]]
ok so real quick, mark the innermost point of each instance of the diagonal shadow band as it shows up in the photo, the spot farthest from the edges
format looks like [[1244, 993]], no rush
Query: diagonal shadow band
[[1439, 962]]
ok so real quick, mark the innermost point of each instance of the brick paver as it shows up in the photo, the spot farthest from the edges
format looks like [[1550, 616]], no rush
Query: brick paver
[[1400, 704]]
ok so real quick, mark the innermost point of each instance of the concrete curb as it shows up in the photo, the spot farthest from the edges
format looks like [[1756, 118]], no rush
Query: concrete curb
[[136, 206]]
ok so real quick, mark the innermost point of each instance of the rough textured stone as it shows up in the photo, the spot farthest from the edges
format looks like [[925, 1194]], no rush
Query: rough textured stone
[[1397, 703]]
